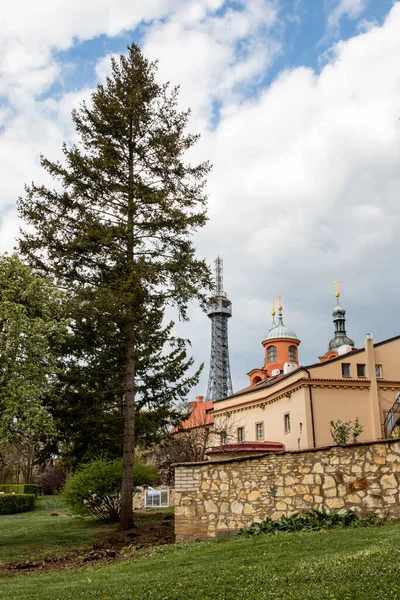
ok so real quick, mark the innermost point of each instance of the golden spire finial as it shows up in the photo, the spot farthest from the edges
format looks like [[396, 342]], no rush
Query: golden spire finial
[[336, 284], [280, 307], [273, 308]]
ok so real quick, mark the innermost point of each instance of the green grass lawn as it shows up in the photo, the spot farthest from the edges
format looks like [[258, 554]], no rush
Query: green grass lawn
[[348, 564], [36, 534]]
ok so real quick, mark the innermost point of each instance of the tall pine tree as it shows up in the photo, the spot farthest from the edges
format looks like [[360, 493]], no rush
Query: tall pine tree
[[117, 230]]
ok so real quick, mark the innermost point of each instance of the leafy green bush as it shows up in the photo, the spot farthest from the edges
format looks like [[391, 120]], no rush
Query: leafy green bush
[[16, 503], [95, 488], [312, 520], [345, 432], [20, 488]]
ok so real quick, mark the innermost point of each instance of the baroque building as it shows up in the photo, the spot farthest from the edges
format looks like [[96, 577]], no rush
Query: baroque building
[[294, 405]]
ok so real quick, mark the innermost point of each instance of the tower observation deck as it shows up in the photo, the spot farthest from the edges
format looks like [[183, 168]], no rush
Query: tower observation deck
[[220, 310]]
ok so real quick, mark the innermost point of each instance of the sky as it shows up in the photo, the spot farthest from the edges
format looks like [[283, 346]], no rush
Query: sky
[[298, 107]]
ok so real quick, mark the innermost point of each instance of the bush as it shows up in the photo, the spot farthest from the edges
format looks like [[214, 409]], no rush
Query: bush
[[95, 488], [16, 503], [345, 432], [20, 488], [312, 520], [50, 479]]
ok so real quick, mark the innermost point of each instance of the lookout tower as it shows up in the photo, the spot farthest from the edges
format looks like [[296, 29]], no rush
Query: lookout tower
[[220, 310]]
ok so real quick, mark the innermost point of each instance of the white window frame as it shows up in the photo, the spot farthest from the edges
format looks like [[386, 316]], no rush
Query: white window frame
[[292, 353], [261, 425], [156, 498], [378, 369], [240, 434], [286, 422]]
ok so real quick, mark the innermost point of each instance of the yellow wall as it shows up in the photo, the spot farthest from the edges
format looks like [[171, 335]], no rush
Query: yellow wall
[[272, 416], [333, 397]]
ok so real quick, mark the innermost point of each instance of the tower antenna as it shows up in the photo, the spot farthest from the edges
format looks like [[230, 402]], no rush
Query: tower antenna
[[220, 310]]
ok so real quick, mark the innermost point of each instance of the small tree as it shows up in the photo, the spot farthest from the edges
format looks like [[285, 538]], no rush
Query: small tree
[[95, 488], [345, 432], [31, 326]]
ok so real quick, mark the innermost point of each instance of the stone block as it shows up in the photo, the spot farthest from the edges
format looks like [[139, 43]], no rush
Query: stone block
[[318, 468], [335, 503], [236, 507], [358, 484], [210, 506], [248, 509], [380, 460], [253, 496], [330, 493], [329, 482], [389, 481], [352, 499], [301, 489]]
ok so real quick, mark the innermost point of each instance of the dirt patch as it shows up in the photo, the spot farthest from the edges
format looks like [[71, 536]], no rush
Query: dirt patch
[[152, 529]]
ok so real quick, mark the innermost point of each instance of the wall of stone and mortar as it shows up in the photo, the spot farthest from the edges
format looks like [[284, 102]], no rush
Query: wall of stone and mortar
[[216, 499]]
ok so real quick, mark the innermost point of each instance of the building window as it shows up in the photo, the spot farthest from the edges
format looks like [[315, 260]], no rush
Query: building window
[[224, 438], [259, 431], [292, 353], [378, 371], [240, 434], [361, 371], [286, 421], [346, 370], [272, 354]]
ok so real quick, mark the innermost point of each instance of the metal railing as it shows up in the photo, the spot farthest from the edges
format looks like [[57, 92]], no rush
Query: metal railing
[[391, 424]]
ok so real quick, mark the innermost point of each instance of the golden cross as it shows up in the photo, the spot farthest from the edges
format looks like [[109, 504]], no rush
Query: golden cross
[[279, 300], [336, 284], [273, 308]]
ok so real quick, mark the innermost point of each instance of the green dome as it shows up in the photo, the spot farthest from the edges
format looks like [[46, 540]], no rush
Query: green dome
[[280, 331], [338, 311], [340, 340]]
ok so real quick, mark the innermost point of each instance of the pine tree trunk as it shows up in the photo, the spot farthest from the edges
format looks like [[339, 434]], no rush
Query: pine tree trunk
[[126, 520]]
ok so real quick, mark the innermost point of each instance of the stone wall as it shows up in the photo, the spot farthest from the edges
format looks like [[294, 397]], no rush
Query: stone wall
[[216, 499]]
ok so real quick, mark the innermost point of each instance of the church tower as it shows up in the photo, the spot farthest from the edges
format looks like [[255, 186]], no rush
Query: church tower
[[281, 349], [340, 337]]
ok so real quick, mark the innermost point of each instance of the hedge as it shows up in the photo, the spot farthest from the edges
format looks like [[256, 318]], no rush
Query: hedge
[[16, 503], [20, 488]]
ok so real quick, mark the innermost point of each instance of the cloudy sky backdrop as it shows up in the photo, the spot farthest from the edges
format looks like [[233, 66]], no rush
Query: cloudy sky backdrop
[[298, 105]]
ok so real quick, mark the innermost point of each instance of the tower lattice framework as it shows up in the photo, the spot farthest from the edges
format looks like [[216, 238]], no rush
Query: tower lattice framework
[[219, 379]]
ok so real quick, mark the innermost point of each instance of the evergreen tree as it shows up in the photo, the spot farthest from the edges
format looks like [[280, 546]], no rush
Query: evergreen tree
[[117, 232]]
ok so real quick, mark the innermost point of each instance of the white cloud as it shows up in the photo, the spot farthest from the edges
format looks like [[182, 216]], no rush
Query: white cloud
[[349, 8], [306, 175]]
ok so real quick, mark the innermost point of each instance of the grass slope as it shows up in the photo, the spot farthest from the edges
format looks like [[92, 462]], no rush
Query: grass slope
[[36, 534], [349, 564]]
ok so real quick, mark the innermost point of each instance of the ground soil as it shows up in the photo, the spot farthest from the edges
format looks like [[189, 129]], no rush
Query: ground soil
[[151, 529]]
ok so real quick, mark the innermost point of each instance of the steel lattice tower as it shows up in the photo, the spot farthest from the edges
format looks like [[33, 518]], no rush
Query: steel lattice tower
[[220, 310]]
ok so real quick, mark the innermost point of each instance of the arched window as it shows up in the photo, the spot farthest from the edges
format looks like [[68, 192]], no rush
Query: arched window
[[272, 354], [292, 353], [256, 379]]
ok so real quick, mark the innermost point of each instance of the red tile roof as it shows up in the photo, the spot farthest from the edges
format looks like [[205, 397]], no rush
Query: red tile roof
[[198, 417], [248, 447]]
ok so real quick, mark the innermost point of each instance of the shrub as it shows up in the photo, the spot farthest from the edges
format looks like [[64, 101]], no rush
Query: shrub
[[344, 432], [50, 479], [20, 488], [312, 520], [16, 503], [95, 488]]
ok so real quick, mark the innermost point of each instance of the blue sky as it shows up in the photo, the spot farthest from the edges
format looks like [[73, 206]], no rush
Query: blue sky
[[298, 106]]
